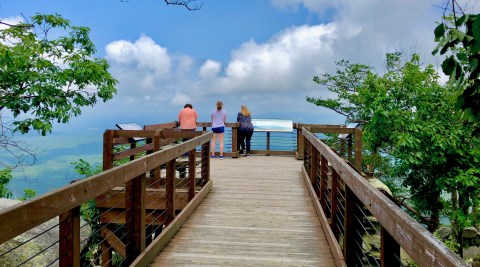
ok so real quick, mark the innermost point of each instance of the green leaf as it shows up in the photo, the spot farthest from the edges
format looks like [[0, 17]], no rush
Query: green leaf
[[476, 27], [448, 65], [458, 33], [439, 31]]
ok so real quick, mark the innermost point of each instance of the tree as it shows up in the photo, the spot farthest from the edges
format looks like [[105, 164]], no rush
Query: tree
[[410, 122], [458, 36], [50, 79], [45, 80]]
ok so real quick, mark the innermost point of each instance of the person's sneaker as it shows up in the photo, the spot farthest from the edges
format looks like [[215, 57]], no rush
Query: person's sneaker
[[221, 157], [212, 157], [247, 155]]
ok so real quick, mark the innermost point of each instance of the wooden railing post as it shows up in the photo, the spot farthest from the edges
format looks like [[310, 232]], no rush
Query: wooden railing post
[[106, 251], [108, 149], [135, 218], [205, 163], [69, 236], [300, 144], [156, 171], [313, 166], [349, 141], [268, 143], [191, 174], [334, 203], [235, 153], [170, 192], [323, 183], [352, 239], [389, 251], [358, 149]]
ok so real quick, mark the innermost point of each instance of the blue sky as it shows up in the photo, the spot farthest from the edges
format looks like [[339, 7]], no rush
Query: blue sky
[[262, 53]]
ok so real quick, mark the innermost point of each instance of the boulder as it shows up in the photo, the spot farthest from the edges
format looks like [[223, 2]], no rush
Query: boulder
[[470, 232], [41, 240], [380, 186], [472, 254]]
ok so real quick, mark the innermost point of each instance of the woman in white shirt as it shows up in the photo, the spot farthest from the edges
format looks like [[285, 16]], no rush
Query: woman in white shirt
[[219, 117]]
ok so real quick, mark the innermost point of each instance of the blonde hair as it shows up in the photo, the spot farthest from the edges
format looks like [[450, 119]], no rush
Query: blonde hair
[[244, 110], [219, 105]]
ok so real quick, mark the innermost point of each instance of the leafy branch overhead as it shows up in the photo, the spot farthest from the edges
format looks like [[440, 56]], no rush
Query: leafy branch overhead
[[459, 38], [45, 80]]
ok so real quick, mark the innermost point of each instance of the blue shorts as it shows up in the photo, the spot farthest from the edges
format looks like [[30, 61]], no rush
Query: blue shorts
[[218, 129]]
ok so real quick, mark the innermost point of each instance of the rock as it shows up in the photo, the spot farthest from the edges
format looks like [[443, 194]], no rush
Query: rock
[[443, 232], [470, 233], [471, 253], [43, 236], [380, 186]]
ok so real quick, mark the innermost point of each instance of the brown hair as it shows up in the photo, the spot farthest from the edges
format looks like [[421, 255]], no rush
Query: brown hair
[[219, 105]]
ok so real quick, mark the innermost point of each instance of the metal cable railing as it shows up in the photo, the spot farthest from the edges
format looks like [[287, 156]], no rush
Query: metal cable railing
[[369, 230]]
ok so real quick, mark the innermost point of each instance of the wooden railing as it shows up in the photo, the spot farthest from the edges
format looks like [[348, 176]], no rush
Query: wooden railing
[[358, 219], [139, 199]]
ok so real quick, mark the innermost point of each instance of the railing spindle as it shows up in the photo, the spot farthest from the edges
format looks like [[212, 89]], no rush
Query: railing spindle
[[351, 237], [334, 202], [170, 192], [69, 235], [135, 226], [389, 251]]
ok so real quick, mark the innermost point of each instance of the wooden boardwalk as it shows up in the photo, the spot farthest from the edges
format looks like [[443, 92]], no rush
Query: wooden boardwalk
[[259, 213]]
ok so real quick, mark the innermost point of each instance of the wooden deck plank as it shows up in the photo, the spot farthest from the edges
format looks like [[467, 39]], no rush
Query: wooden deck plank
[[258, 213]]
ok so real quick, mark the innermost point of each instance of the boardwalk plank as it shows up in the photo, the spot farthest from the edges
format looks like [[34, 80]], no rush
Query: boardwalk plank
[[258, 213]]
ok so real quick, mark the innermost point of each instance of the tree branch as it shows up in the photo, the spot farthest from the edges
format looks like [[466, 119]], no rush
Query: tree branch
[[185, 3], [22, 25]]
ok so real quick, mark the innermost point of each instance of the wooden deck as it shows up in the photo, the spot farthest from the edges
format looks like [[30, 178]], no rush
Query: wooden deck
[[259, 213]]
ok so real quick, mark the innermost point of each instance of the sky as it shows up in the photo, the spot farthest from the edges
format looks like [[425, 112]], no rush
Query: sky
[[259, 53]]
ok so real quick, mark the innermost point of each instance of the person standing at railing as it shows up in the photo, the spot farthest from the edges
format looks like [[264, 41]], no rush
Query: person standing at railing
[[219, 117], [245, 131], [187, 119]]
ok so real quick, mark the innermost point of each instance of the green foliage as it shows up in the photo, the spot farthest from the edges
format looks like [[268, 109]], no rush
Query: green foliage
[[460, 38], [413, 135], [345, 83], [28, 194], [89, 212], [5, 177], [45, 79], [85, 169]]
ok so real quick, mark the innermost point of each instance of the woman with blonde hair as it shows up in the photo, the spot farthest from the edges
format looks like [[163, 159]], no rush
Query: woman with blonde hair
[[245, 131], [219, 117]]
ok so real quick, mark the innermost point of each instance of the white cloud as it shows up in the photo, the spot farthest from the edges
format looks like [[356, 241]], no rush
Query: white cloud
[[210, 69], [180, 99], [286, 62], [277, 73], [144, 53]]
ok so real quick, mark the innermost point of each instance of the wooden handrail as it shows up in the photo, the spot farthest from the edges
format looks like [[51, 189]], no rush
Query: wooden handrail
[[422, 246], [65, 201]]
